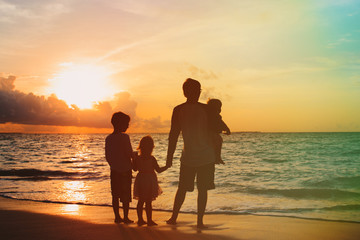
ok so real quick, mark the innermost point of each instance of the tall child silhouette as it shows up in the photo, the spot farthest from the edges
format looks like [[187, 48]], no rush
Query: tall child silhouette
[[118, 153]]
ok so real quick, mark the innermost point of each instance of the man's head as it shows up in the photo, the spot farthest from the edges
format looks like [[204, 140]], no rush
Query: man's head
[[192, 89], [120, 121]]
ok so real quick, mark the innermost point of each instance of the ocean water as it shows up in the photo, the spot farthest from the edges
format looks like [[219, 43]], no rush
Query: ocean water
[[306, 175]]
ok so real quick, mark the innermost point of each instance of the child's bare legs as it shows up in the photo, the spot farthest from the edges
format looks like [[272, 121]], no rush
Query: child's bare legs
[[115, 204], [139, 209], [148, 209]]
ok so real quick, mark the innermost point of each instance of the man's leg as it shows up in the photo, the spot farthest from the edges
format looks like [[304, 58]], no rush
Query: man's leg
[[179, 200], [205, 182], [202, 200]]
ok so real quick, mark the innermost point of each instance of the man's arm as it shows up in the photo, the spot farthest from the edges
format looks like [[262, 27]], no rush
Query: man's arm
[[173, 137]]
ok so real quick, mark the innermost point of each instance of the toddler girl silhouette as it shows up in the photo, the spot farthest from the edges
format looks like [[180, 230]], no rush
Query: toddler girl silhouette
[[146, 187]]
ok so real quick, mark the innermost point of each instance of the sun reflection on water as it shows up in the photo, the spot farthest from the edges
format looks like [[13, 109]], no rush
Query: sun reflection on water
[[70, 209], [73, 191]]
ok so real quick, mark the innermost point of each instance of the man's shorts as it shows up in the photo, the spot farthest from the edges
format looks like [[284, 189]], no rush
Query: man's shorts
[[121, 185], [204, 177]]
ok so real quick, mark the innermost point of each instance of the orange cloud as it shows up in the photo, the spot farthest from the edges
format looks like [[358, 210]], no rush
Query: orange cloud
[[21, 109]]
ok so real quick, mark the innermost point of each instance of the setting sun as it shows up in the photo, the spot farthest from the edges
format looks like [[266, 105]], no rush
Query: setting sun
[[81, 85]]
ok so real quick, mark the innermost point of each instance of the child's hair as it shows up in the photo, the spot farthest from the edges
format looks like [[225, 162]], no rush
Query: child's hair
[[146, 145], [120, 120], [214, 104]]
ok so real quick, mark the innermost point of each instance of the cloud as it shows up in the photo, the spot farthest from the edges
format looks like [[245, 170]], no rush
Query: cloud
[[340, 41], [199, 73], [152, 124], [26, 108], [12, 11], [7, 84]]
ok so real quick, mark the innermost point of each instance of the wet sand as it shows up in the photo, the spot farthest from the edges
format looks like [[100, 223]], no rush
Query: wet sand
[[36, 220]]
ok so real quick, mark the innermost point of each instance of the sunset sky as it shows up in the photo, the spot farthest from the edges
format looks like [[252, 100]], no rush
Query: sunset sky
[[277, 66]]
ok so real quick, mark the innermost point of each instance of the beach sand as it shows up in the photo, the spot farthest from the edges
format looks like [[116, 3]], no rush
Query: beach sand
[[36, 220]]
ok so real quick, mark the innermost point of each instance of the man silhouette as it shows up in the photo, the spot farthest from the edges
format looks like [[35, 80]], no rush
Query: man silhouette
[[198, 157]]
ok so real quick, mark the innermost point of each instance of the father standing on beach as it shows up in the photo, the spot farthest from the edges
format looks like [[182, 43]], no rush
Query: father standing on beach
[[198, 157]]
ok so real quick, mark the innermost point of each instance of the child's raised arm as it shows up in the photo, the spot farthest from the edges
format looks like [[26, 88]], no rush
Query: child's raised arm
[[225, 128], [161, 169], [157, 167]]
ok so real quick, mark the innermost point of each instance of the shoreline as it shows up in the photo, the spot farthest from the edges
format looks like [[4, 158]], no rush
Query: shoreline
[[181, 212], [21, 219]]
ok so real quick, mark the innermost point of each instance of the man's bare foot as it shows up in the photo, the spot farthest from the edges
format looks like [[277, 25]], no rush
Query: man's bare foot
[[128, 221], [118, 220], [141, 222], [151, 223], [171, 221]]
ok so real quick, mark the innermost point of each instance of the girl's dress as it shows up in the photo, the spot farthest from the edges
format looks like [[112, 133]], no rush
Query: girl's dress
[[146, 185]]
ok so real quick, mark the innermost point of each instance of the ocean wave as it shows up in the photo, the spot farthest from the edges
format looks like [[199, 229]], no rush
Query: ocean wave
[[275, 160], [49, 201], [43, 175], [351, 207], [306, 193], [348, 182], [355, 152], [68, 161]]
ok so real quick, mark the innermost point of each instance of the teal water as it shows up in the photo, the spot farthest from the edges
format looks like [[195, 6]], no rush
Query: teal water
[[308, 175]]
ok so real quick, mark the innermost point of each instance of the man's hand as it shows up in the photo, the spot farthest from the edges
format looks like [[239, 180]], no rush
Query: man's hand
[[168, 162]]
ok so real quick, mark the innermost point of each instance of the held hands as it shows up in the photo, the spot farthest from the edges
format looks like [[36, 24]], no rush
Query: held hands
[[168, 162], [134, 157], [168, 165], [162, 169], [135, 154]]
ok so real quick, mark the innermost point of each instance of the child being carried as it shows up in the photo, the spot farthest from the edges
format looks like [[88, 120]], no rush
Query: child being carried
[[216, 126]]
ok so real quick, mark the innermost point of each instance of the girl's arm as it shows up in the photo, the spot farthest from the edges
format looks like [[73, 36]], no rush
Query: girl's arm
[[157, 167]]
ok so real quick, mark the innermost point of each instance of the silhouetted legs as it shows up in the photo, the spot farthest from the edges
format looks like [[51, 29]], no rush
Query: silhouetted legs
[[201, 201], [179, 200], [118, 219], [148, 209], [139, 210]]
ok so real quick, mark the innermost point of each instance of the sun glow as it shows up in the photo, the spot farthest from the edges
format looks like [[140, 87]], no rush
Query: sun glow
[[82, 85]]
